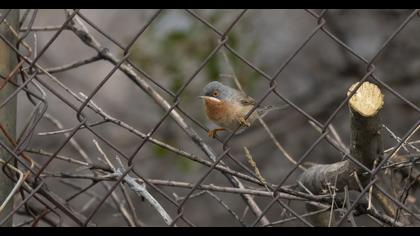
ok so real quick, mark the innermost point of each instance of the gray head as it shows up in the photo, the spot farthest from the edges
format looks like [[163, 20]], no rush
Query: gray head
[[218, 90]]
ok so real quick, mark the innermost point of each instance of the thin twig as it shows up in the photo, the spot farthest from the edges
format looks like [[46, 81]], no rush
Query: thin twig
[[73, 65], [141, 191], [226, 207], [254, 165], [73, 142]]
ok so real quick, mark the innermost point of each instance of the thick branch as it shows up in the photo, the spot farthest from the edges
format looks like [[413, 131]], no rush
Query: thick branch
[[366, 140], [365, 144]]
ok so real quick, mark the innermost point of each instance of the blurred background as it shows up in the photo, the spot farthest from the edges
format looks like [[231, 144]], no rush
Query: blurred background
[[171, 49]]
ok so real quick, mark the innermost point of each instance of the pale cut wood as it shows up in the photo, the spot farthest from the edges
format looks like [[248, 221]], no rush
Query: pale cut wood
[[368, 99]]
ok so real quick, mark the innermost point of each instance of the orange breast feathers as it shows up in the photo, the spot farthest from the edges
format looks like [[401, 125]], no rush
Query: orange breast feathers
[[225, 114], [219, 111]]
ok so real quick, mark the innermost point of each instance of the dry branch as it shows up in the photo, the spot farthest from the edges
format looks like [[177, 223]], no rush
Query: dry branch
[[365, 144]]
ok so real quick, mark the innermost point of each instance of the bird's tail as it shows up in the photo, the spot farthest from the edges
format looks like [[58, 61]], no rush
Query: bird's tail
[[273, 108], [265, 110]]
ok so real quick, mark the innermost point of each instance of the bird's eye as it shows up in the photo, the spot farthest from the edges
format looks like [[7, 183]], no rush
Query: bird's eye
[[215, 93]]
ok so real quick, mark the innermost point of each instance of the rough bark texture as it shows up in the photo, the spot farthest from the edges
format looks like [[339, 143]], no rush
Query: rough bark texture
[[317, 178], [8, 61], [365, 146], [366, 140]]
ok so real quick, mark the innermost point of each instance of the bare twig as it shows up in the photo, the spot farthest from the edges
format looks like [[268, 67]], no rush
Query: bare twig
[[254, 165], [226, 207], [73, 142], [141, 191]]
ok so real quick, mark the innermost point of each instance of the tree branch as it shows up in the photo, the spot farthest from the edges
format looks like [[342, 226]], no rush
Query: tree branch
[[365, 144]]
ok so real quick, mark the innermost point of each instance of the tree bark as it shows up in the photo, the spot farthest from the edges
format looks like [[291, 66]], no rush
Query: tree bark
[[365, 146]]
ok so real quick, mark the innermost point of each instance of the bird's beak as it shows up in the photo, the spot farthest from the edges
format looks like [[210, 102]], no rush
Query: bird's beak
[[210, 98]]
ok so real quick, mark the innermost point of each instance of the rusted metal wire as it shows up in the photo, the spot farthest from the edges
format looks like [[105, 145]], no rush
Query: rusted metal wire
[[37, 201]]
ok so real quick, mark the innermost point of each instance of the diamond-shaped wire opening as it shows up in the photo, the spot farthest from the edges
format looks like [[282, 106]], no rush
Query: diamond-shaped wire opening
[[293, 210]]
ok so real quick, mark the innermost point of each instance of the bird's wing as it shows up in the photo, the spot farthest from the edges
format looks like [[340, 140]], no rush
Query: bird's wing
[[247, 100], [244, 99]]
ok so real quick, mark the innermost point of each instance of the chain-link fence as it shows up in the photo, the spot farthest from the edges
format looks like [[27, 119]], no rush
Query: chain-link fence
[[132, 148]]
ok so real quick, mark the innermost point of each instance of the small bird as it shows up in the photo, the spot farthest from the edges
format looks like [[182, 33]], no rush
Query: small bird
[[227, 107]]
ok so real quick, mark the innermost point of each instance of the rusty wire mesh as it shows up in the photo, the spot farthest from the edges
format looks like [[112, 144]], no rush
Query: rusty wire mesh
[[123, 188]]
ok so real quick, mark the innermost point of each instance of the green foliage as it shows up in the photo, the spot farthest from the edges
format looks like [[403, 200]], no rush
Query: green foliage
[[184, 164], [181, 163], [159, 152]]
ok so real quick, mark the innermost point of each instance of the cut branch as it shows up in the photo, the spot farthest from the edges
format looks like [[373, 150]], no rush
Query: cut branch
[[365, 144]]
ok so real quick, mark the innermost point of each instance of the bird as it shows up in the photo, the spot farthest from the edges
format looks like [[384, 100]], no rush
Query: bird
[[227, 107]]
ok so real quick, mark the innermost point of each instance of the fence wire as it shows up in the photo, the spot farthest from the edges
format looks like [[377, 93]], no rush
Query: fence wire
[[128, 192]]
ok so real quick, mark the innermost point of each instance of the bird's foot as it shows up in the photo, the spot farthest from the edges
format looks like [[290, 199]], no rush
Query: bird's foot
[[243, 122], [212, 133]]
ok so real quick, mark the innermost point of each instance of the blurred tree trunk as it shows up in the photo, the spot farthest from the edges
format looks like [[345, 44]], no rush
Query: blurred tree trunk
[[8, 61]]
